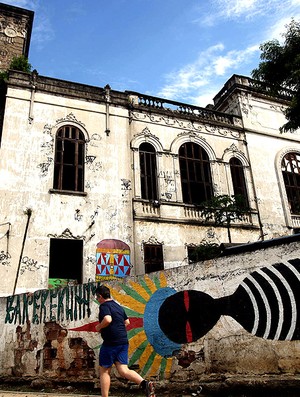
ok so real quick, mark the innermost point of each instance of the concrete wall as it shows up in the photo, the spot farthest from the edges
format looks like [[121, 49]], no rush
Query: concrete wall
[[216, 327]]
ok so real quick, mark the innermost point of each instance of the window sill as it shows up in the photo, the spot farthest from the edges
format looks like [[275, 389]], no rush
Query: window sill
[[67, 192]]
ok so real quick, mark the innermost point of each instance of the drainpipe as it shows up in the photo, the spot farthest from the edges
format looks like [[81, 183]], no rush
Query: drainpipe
[[27, 212], [262, 236], [107, 98]]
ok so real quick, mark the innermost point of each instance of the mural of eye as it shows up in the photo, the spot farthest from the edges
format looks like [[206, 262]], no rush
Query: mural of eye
[[266, 304]]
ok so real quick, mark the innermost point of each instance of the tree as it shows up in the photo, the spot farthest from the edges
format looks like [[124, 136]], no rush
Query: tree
[[223, 210], [280, 69]]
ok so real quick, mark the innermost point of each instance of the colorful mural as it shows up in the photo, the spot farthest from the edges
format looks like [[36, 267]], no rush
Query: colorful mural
[[266, 304], [142, 349], [112, 260], [163, 321]]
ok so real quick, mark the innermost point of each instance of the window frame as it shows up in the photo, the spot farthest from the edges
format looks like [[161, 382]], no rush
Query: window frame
[[238, 180], [148, 172], [150, 254], [195, 173], [291, 180], [69, 159]]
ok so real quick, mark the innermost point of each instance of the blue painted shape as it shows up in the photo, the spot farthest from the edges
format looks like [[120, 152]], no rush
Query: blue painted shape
[[160, 342]]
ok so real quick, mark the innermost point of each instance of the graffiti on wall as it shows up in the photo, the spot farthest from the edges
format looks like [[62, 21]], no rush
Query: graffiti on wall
[[112, 259], [4, 258], [162, 320], [71, 303]]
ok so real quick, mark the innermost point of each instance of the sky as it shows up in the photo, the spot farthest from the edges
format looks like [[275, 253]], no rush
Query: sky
[[180, 50]]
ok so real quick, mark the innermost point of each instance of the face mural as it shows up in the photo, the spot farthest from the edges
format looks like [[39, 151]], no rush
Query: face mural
[[266, 304]]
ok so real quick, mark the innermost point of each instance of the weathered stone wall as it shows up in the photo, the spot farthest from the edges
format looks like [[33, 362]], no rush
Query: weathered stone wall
[[15, 32], [51, 333]]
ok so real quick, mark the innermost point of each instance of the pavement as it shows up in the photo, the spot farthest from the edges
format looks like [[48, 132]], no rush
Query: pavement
[[4, 393]]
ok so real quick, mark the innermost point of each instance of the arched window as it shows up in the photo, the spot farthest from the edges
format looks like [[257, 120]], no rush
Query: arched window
[[69, 159], [238, 181], [148, 171], [290, 167], [196, 182]]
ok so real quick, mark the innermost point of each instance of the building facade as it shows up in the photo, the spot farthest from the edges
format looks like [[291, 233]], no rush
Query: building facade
[[15, 33], [86, 171]]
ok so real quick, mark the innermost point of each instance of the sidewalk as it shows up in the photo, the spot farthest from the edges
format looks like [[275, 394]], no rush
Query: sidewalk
[[4, 393]]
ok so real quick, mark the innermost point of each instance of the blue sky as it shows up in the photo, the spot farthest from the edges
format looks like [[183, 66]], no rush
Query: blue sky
[[184, 50]]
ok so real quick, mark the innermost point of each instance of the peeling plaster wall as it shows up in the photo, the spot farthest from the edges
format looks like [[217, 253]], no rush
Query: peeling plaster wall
[[51, 333]]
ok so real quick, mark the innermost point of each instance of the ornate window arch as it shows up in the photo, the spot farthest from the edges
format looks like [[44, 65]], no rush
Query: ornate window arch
[[191, 137], [69, 158], [147, 152]]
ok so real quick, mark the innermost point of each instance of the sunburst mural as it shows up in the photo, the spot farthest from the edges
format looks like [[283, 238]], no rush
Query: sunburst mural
[[144, 348]]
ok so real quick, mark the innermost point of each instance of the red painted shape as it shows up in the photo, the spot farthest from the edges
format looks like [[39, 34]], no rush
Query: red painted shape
[[188, 333], [135, 322], [186, 299], [188, 329]]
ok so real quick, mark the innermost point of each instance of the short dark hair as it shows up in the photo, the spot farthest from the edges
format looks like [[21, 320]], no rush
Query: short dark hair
[[103, 291]]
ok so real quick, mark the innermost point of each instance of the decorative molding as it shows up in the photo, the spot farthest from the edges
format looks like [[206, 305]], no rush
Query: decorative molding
[[152, 240], [70, 118], [67, 234], [184, 124]]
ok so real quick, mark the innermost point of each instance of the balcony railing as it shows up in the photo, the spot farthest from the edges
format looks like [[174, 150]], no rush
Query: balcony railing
[[182, 109], [181, 213], [296, 221]]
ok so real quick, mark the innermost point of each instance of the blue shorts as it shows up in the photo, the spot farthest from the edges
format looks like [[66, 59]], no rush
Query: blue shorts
[[108, 355]]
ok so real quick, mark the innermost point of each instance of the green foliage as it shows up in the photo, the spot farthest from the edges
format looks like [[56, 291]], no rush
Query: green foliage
[[224, 209], [280, 68], [17, 63], [204, 251], [20, 63]]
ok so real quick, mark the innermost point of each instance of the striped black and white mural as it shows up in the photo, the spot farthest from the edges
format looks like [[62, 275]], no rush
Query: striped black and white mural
[[266, 304]]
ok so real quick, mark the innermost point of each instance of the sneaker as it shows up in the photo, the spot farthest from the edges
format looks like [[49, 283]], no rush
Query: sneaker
[[149, 391]]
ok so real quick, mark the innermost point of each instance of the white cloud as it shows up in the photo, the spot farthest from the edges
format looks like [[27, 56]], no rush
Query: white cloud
[[185, 82], [235, 8], [245, 9]]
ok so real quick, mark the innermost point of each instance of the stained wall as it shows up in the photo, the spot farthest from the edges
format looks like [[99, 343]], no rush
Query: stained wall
[[236, 315]]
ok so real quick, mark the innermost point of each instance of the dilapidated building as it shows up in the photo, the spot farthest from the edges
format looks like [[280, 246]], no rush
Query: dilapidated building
[[98, 185], [87, 170]]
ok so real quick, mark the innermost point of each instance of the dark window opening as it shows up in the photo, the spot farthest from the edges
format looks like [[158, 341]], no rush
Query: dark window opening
[[69, 159], [148, 171], [238, 181], [290, 167], [153, 258], [66, 259], [196, 181]]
